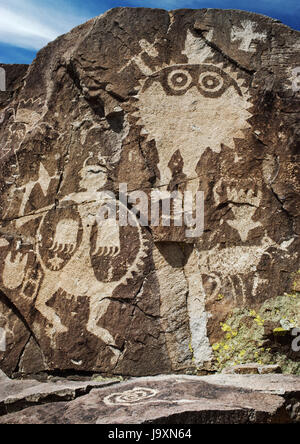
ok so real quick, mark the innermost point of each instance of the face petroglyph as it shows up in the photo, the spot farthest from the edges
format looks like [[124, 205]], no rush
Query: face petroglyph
[[190, 108], [187, 108]]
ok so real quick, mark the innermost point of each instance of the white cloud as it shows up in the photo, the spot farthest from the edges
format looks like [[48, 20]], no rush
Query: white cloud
[[31, 24], [27, 24]]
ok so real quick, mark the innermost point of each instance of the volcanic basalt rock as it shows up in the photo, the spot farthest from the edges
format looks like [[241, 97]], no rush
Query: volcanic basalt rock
[[11, 77], [167, 399], [186, 100]]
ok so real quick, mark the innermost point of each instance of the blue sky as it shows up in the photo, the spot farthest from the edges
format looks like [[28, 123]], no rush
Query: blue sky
[[28, 25]]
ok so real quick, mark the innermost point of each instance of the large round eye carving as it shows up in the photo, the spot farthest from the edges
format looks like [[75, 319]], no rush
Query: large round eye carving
[[179, 80], [211, 82], [176, 80]]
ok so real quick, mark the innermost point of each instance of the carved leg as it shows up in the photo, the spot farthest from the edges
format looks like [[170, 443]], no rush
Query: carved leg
[[98, 308], [243, 288], [216, 291], [235, 298], [45, 294], [165, 173], [241, 291]]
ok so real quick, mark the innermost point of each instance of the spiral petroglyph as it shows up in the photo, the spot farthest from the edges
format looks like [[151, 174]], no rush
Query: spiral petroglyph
[[137, 395]]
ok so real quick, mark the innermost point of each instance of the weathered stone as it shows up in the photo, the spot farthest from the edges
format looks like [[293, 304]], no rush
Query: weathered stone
[[3, 376], [14, 336], [167, 400], [252, 368], [16, 395], [32, 360], [185, 100], [296, 283], [11, 79], [285, 385], [269, 369]]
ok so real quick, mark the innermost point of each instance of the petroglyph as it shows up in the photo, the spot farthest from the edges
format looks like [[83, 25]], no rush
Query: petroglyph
[[224, 264], [204, 100], [247, 35], [138, 395], [160, 101], [67, 258]]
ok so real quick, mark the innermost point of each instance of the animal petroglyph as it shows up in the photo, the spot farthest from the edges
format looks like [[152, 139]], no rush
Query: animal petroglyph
[[224, 264]]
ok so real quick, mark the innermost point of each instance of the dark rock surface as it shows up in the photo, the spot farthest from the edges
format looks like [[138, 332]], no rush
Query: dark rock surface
[[12, 77], [176, 400], [190, 100], [17, 394]]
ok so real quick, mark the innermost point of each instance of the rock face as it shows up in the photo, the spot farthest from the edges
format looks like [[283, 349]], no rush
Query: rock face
[[218, 399], [11, 77], [16, 395], [189, 100]]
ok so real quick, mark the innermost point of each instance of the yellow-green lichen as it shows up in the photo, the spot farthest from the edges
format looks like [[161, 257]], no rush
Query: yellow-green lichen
[[100, 378], [244, 330]]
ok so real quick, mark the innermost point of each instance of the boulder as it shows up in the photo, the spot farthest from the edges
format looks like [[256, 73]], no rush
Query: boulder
[[252, 368], [3, 376], [203, 104], [174, 399], [16, 395]]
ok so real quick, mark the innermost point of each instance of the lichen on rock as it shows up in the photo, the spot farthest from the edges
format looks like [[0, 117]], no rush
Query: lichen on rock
[[255, 335]]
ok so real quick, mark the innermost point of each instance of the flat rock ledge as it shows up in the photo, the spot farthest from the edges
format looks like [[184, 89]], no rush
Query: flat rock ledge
[[16, 395], [174, 399]]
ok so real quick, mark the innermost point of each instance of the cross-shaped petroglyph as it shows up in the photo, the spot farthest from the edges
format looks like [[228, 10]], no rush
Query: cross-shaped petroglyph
[[246, 34]]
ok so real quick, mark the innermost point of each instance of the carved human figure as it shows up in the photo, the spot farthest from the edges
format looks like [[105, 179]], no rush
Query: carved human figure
[[68, 256]]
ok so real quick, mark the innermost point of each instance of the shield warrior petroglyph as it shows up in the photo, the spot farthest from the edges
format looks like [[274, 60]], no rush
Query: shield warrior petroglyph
[[80, 254]]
